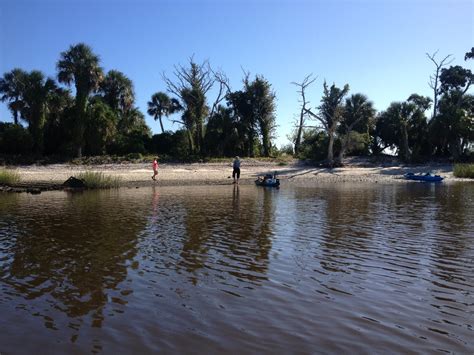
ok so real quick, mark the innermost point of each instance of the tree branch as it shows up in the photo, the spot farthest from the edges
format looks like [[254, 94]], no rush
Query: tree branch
[[317, 117], [224, 89]]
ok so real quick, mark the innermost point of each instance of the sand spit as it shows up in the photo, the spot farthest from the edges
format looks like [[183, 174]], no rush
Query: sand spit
[[139, 174]]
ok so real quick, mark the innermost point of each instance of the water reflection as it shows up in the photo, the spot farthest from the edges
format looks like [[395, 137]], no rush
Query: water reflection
[[452, 263], [349, 215], [69, 253], [348, 268], [227, 235]]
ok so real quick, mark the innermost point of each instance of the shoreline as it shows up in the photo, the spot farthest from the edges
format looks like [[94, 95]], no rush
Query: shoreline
[[51, 177]]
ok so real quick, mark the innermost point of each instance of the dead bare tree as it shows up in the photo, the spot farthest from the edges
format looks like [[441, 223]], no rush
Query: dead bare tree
[[196, 74], [307, 81], [434, 78], [224, 89], [191, 85], [330, 114]]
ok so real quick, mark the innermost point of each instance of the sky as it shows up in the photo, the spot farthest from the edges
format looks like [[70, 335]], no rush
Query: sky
[[378, 47]]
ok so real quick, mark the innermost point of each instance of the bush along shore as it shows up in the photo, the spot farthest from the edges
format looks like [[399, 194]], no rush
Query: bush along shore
[[464, 171], [98, 180], [10, 181], [9, 177]]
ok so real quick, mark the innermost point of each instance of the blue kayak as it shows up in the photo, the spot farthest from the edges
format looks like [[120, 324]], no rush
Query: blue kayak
[[423, 177]]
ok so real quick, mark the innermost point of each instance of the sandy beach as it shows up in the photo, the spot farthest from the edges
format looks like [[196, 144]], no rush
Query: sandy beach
[[139, 174]]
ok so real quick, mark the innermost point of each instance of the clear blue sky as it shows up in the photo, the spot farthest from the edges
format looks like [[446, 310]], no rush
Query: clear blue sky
[[376, 46]]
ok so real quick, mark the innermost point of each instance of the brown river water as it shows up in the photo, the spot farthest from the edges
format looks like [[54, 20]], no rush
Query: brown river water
[[352, 268]]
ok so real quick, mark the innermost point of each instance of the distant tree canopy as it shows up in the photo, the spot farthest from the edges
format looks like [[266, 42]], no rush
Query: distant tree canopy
[[246, 121], [253, 110], [86, 110], [101, 117], [354, 127]]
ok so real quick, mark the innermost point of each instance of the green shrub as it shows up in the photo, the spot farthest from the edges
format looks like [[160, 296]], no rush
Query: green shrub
[[286, 150], [8, 177], [134, 156], [314, 146], [161, 143], [97, 180], [464, 170], [15, 139]]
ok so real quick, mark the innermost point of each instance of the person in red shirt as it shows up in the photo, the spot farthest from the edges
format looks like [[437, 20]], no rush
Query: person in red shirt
[[155, 168]]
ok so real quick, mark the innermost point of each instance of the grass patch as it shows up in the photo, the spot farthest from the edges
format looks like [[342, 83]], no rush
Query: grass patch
[[464, 170], [9, 177], [97, 180]]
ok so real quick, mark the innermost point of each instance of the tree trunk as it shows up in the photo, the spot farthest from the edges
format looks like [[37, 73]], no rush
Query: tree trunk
[[201, 139], [455, 149], [405, 147], [331, 148], [344, 142], [266, 144], [300, 132], [36, 128], [41, 124], [79, 127], [190, 141], [198, 141], [161, 124], [251, 152], [435, 94]]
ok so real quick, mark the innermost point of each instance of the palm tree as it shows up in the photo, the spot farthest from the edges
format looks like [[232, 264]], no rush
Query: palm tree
[[117, 91], [263, 109], [394, 125], [56, 133], [133, 121], [38, 92], [358, 112], [101, 126], [192, 85], [79, 65], [159, 106], [240, 103], [12, 86]]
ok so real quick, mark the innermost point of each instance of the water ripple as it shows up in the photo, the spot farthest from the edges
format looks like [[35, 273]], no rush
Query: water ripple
[[342, 269]]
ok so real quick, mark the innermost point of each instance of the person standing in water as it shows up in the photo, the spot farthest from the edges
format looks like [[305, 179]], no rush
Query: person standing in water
[[155, 168], [236, 171]]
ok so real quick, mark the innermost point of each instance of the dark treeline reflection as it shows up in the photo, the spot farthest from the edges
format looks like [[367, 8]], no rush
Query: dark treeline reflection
[[216, 268], [73, 250], [211, 232]]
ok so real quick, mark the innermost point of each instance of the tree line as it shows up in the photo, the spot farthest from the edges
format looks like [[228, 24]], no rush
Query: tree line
[[87, 111], [94, 113], [350, 124]]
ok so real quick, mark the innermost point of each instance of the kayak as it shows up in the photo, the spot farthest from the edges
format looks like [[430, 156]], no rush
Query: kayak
[[423, 177], [268, 180]]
